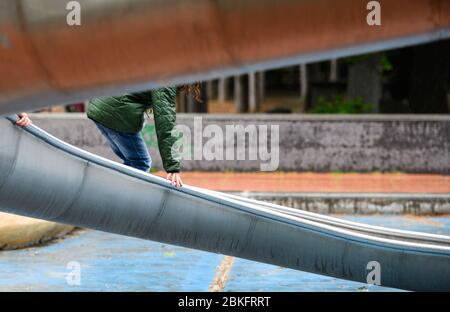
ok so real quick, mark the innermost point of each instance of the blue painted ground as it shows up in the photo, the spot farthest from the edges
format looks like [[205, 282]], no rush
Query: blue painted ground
[[252, 276], [116, 263]]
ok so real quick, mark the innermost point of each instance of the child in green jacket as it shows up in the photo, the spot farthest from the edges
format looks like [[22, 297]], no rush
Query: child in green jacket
[[121, 118]]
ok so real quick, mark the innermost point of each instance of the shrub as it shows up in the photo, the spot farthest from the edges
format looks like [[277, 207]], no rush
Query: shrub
[[341, 105]]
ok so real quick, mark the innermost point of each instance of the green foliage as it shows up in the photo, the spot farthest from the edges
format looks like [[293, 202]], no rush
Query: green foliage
[[341, 105], [350, 60], [386, 64]]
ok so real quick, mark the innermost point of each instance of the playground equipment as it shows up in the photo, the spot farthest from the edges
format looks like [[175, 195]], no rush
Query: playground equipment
[[128, 45], [45, 178]]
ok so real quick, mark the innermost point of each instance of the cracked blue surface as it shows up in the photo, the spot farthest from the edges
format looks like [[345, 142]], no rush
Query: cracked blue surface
[[117, 263]]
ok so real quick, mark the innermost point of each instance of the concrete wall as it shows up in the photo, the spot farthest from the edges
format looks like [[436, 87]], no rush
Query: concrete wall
[[306, 143], [361, 203]]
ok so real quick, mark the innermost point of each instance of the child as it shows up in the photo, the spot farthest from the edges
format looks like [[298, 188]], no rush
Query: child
[[121, 118]]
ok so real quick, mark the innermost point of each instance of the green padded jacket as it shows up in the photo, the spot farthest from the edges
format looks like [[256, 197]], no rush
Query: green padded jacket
[[125, 113]]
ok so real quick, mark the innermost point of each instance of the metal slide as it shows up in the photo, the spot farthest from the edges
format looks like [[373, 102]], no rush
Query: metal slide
[[354, 226], [43, 177]]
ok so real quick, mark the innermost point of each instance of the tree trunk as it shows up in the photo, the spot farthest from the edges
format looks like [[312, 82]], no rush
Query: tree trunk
[[202, 107], [428, 92], [303, 82], [364, 80], [238, 99], [261, 86], [222, 90], [190, 103], [252, 100], [333, 70], [210, 90]]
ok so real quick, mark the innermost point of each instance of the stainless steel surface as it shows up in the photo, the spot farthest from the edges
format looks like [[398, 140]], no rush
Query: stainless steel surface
[[46, 178], [125, 45], [341, 223]]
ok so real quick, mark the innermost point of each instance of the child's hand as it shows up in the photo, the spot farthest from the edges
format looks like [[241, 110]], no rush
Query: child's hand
[[175, 179], [24, 120]]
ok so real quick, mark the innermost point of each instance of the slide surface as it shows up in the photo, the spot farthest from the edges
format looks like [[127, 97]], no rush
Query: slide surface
[[45, 178]]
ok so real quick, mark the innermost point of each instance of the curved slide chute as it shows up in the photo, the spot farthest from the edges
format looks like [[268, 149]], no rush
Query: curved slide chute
[[354, 226], [46, 178]]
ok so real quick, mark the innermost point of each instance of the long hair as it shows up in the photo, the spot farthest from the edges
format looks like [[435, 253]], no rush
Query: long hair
[[194, 89]]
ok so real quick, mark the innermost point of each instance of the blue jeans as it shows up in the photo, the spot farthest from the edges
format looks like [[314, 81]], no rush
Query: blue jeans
[[130, 147]]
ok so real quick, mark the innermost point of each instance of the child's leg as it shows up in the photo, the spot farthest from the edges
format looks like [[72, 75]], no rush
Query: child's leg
[[133, 147], [110, 138], [130, 148]]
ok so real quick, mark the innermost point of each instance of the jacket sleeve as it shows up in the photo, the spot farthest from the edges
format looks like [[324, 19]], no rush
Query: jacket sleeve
[[164, 111]]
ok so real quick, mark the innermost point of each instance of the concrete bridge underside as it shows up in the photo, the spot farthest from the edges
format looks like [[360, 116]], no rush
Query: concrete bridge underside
[[138, 44]]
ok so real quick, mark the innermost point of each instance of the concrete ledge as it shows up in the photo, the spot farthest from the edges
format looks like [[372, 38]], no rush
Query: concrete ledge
[[318, 143], [366, 204], [18, 232], [288, 117]]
